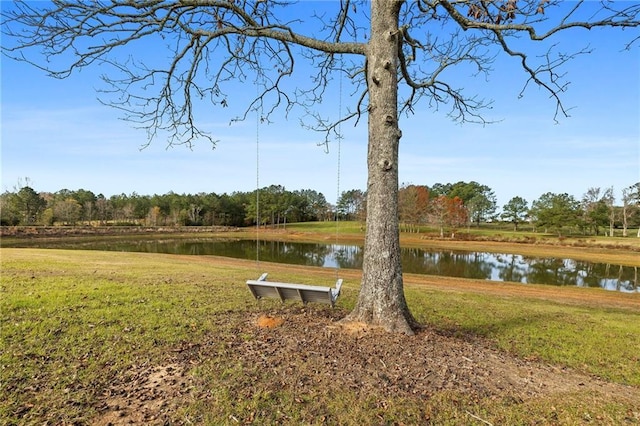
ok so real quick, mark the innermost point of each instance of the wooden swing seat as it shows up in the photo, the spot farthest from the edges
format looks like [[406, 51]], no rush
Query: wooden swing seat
[[299, 292]]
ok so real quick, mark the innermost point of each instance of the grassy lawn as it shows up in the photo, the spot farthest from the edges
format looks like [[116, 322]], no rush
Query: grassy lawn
[[79, 326]]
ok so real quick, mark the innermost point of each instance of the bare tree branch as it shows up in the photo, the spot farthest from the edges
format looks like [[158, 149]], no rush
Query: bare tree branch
[[501, 20], [248, 32], [216, 42]]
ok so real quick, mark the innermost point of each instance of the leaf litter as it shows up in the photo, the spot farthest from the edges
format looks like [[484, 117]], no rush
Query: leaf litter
[[306, 349]]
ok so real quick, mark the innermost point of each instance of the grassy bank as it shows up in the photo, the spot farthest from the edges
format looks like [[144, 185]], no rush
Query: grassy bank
[[84, 334], [617, 250]]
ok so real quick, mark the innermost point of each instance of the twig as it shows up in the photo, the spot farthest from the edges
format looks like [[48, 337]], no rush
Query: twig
[[479, 418]]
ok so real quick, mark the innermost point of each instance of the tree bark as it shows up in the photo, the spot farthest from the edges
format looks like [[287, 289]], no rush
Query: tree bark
[[381, 301]]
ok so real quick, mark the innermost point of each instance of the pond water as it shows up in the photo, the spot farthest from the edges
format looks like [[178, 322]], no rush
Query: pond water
[[478, 265]]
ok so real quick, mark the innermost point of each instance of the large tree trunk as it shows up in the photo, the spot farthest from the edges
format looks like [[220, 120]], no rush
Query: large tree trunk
[[381, 301]]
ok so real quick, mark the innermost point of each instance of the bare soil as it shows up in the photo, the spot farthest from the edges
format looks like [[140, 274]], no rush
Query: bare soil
[[303, 351]]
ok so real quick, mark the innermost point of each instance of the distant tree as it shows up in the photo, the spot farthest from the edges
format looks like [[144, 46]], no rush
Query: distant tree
[[438, 212], [177, 206], [438, 189], [154, 216], [192, 208], [413, 205], [273, 204], [193, 212], [210, 203], [29, 205], [630, 206], [270, 205], [123, 208], [351, 204], [479, 200], [598, 217], [598, 209], [466, 191], [129, 216], [447, 212], [140, 204], [48, 217], [104, 209], [556, 211], [87, 200], [313, 206], [88, 211], [234, 208], [609, 200], [68, 211], [9, 209], [482, 207], [456, 214], [592, 209], [515, 211]]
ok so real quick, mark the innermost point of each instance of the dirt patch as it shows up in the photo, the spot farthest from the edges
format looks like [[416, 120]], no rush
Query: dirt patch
[[145, 395], [268, 321], [308, 351], [369, 358]]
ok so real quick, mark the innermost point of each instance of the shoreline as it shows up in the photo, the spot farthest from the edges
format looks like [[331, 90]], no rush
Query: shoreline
[[622, 251]]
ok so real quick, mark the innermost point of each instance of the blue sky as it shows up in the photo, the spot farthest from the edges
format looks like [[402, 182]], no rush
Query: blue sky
[[57, 134]]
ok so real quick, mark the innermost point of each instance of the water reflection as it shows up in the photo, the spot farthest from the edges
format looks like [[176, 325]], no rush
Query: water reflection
[[478, 265]]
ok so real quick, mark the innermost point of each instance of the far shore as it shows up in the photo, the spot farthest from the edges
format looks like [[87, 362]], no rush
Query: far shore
[[615, 250]]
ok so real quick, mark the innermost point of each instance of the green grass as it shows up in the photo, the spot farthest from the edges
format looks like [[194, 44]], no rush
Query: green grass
[[68, 318], [573, 336], [74, 321], [342, 227], [499, 232]]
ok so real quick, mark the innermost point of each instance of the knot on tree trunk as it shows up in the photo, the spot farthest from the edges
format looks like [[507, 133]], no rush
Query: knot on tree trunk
[[386, 165]]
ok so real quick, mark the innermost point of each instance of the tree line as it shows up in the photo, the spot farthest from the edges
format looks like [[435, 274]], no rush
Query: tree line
[[446, 207], [274, 205], [452, 206]]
